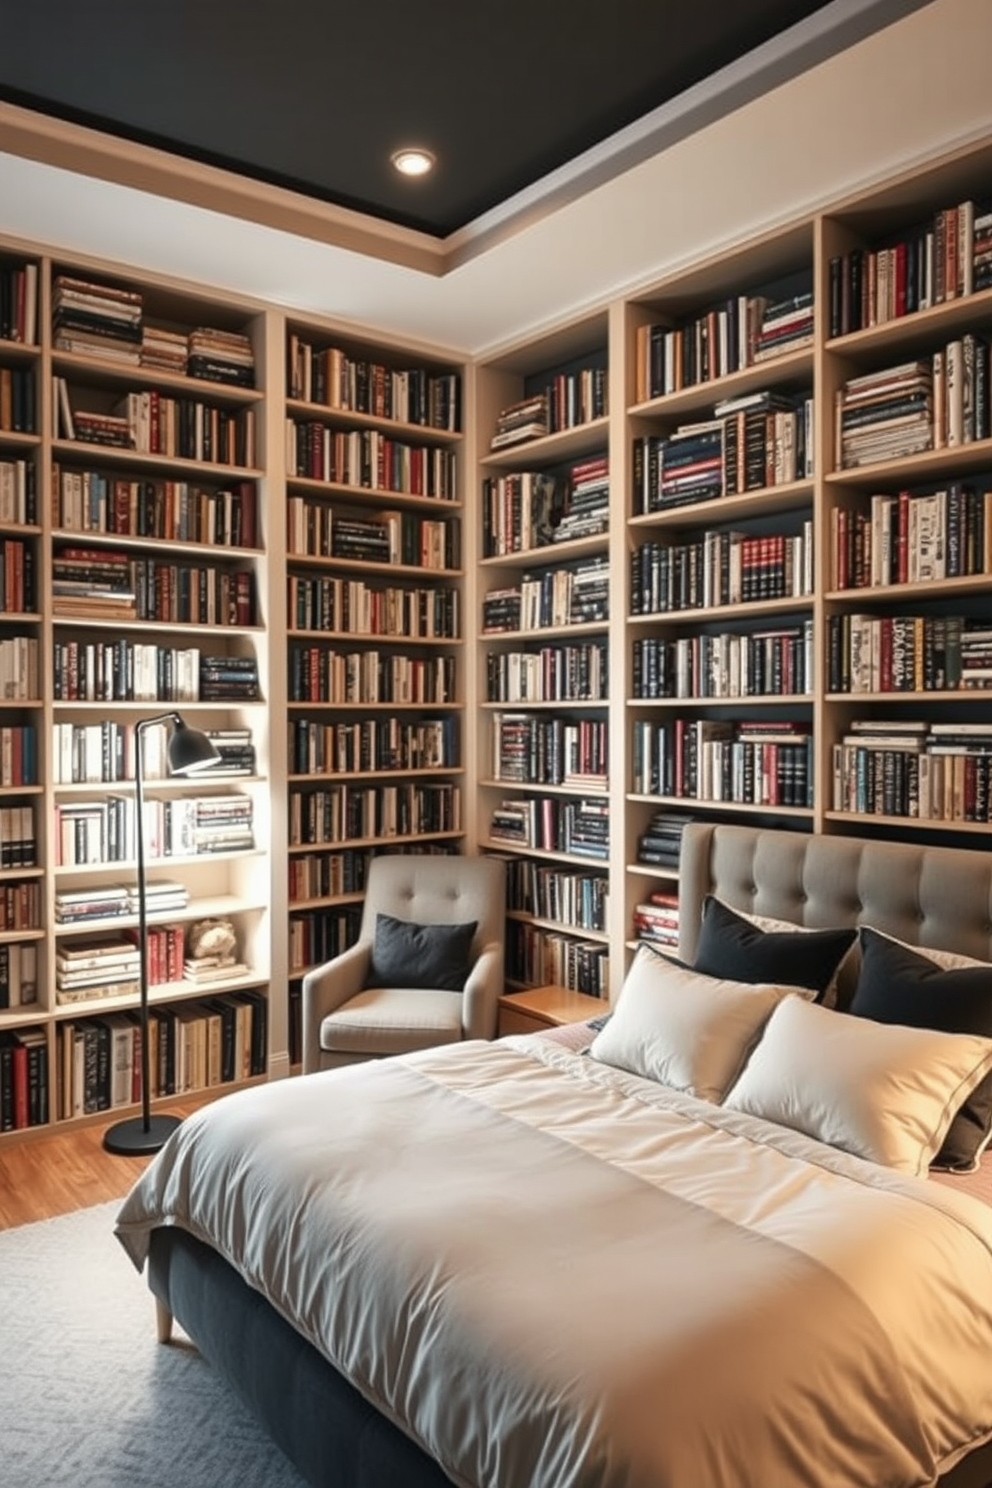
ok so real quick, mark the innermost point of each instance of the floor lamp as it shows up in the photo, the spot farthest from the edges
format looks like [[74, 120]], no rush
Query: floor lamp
[[188, 750]]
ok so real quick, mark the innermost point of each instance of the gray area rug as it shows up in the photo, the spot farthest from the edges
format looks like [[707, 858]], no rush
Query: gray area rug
[[88, 1397]]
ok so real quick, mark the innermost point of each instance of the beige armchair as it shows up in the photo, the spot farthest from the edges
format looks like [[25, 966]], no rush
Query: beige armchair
[[345, 1020]]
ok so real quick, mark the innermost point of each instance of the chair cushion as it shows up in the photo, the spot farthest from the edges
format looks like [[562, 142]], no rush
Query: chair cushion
[[393, 1020], [433, 957]]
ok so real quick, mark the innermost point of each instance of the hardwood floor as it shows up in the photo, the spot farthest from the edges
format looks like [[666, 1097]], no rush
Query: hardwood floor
[[43, 1176]]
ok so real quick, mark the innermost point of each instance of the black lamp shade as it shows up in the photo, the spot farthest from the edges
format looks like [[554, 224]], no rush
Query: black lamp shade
[[189, 749]]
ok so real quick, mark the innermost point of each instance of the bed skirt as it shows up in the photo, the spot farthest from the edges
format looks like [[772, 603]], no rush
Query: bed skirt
[[327, 1429]]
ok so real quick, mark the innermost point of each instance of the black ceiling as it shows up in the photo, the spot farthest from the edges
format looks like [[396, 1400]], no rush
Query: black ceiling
[[316, 94]]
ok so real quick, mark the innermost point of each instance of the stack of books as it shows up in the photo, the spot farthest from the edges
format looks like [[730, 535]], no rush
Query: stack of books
[[587, 507], [96, 320], [99, 902], [527, 419], [96, 968], [162, 896], [221, 356], [786, 325], [657, 920], [237, 752], [661, 844], [93, 583], [885, 415], [207, 969], [164, 351], [228, 677], [222, 824]]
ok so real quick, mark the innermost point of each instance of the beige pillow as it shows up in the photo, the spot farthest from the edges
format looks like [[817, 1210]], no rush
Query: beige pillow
[[880, 1090], [683, 1029]]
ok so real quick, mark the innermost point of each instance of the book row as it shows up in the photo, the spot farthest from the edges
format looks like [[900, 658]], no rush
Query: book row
[[761, 440], [89, 583], [942, 259], [137, 671], [18, 401], [153, 423], [912, 538], [765, 663], [371, 744], [369, 459], [720, 568], [173, 511], [354, 384], [102, 831], [574, 899], [353, 607], [753, 764], [531, 509], [929, 776], [18, 973], [316, 530], [93, 753], [20, 905], [196, 1046], [727, 337], [908, 653], [18, 577], [320, 674], [19, 302], [536, 957], [344, 813], [317, 935], [18, 493], [531, 749], [18, 754], [576, 594], [20, 678], [580, 828], [563, 673], [326, 875], [18, 841]]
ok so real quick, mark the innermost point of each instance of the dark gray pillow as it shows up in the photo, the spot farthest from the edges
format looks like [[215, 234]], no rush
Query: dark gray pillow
[[896, 985], [731, 947], [435, 957]]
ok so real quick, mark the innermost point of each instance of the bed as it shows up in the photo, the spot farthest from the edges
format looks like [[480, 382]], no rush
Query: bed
[[525, 1263]]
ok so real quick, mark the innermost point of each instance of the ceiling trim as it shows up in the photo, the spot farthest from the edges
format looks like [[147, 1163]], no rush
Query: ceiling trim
[[90, 152], [795, 50]]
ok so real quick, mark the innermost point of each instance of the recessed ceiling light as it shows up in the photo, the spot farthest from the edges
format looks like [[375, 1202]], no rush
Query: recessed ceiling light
[[413, 161]]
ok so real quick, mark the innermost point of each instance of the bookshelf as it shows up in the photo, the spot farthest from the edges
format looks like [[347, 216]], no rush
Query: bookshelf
[[477, 648], [374, 623], [544, 616], [152, 579]]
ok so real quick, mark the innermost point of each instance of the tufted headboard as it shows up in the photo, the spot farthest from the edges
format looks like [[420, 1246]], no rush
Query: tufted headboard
[[927, 896]]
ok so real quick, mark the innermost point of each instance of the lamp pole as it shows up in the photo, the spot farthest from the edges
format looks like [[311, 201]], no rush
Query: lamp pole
[[188, 750]]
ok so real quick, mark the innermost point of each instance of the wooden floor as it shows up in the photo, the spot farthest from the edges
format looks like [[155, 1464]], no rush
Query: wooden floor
[[42, 1176]]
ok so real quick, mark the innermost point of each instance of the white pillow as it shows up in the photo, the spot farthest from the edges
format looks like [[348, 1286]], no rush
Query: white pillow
[[880, 1090], [684, 1029]]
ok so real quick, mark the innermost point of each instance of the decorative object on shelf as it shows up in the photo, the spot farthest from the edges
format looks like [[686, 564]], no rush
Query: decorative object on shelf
[[188, 750]]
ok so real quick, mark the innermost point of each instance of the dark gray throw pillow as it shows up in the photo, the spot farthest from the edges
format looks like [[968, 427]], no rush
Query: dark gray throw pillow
[[730, 946], [405, 954], [896, 985]]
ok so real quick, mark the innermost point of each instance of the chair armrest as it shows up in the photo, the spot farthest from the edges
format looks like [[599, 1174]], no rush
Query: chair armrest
[[327, 987], [484, 988]]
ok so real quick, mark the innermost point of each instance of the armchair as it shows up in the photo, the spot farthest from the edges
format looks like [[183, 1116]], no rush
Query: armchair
[[345, 1020]]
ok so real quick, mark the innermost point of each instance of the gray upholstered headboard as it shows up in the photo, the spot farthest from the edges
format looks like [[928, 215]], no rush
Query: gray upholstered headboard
[[927, 896]]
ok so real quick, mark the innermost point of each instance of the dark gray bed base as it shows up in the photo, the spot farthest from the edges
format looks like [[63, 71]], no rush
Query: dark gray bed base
[[326, 1428]]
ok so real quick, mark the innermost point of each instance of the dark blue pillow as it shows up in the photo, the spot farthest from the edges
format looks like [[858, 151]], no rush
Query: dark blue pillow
[[432, 957]]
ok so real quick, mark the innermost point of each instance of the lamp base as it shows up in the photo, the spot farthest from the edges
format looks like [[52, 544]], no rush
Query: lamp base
[[133, 1138]]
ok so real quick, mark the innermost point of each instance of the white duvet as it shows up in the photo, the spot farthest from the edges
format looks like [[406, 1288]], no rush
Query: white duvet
[[552, 1274]]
